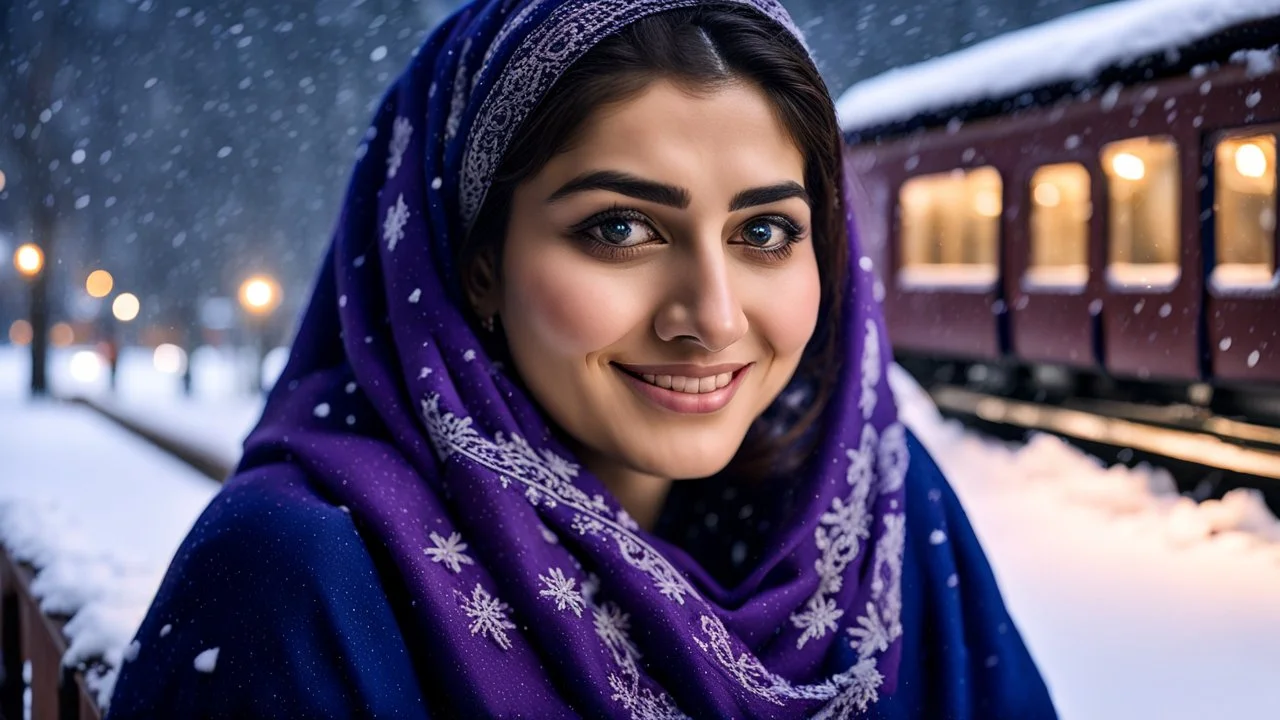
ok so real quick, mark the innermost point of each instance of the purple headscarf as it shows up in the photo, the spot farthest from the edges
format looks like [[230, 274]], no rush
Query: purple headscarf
[[520, 584]]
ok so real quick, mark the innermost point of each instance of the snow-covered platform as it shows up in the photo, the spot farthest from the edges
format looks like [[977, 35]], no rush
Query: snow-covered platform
[[1135, 602]]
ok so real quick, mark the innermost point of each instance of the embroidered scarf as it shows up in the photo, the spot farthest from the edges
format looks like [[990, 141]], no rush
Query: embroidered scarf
[[522, 588]]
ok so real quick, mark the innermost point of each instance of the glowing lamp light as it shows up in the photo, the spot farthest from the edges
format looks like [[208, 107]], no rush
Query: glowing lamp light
[[1047, 195], [61, 335], [1251, 161], [260, 294], [987, 203], [28, 259], [125, 307], [99, 283], [1129, 166], [20, 332], [169, 359], [86, 366]]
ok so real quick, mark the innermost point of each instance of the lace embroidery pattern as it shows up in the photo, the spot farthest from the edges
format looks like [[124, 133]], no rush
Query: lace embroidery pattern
[[542, 57], [548, 480]]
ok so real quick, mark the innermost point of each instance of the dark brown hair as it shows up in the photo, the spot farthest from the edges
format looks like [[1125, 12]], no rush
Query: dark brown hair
[[705, 47]]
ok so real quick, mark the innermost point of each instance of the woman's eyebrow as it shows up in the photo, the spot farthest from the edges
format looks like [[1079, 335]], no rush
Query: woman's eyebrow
[[624, 184], [768, 194]]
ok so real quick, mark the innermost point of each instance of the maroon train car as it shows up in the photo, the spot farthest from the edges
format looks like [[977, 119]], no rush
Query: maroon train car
[[1120, 227]]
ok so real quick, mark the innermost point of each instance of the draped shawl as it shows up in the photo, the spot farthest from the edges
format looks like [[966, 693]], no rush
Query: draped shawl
[[520, 584]]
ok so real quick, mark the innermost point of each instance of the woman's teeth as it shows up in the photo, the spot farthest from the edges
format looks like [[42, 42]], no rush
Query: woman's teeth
[[695, 386]]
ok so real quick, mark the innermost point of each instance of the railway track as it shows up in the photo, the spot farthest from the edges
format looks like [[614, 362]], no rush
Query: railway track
[[1208, 455]]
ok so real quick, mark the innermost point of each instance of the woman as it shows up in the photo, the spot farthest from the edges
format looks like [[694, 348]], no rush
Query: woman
[[590, 248]]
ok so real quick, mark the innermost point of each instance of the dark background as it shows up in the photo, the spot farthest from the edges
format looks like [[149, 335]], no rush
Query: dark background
[[184, 146]]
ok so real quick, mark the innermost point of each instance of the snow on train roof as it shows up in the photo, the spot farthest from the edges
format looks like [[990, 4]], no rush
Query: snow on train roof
[[1077, 46]]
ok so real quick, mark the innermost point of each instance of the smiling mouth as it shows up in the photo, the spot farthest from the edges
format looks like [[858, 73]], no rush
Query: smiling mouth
[[684, 384], [685, 393]]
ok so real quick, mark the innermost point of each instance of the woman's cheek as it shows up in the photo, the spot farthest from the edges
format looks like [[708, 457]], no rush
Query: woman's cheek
[[570, 309], [788, 318]]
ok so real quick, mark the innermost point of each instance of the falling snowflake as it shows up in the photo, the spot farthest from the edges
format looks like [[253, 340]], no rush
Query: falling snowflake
[[561, 590], [449, 551], [393, 227], [469, 355], [547, 535], [423, 373], [817, 620], [321, 410], [400, 134], [488, 617], [415, 295]]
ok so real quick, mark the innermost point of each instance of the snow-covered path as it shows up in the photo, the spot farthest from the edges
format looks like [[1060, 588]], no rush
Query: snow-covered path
[[1135, 603]]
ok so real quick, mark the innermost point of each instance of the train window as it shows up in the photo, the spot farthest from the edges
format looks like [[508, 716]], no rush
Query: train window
[[1144, 188], [1245, 212], [1060, 212], [951, 229]]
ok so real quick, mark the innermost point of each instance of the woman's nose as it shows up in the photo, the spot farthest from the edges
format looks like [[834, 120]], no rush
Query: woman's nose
[[701, 303]]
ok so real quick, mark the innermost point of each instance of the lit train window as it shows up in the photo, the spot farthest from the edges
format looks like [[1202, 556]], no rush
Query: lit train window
[[1245, 212], [1060, 212], [1144, 235], [951, 229]]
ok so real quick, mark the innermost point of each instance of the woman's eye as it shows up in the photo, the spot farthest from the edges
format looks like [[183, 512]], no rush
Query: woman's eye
[[621, 232], [765, 235]]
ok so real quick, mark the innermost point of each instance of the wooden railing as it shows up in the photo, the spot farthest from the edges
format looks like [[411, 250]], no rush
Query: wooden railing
[[29, 636]]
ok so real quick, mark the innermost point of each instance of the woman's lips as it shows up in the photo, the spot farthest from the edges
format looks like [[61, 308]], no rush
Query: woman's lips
[[685, 402]]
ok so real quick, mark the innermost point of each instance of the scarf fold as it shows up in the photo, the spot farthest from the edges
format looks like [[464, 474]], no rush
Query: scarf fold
[[521, 586]]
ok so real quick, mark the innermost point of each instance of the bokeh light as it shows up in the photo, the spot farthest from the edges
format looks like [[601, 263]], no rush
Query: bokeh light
[[20, 332], [86, 366], [99, 283], [125, 307], [169, 358]]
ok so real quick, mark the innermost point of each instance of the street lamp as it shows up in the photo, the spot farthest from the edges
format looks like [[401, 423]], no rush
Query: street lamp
[[259, 296], [29, 260]]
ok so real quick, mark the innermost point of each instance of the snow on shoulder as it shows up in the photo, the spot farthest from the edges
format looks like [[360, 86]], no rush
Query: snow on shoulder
[[1077, 46], [206, 661]]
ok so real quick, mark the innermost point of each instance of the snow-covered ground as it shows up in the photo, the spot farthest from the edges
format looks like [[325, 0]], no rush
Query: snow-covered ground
[[1136, 603], [1076, 46]]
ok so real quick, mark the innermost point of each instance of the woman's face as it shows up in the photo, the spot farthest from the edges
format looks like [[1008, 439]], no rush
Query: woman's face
[[659, 282]]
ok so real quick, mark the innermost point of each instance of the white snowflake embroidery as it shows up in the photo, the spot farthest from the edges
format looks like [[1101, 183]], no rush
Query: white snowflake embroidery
[[870, 370], [561, 590], [613, 627], [584, 525], [839, 535], [401, 131], [818, 619], [895, 458], [553, 475], [393, 226], [488, 616], [449, 551], [871, 635]]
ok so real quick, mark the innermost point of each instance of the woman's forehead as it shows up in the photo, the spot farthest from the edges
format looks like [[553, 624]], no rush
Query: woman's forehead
[[727, 136]]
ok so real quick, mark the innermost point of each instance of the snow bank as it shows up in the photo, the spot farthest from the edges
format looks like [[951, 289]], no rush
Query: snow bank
[[1134, 601], [1074, 47]]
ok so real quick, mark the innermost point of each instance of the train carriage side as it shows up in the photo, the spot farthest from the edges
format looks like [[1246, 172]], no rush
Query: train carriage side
[[1133, 233]]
